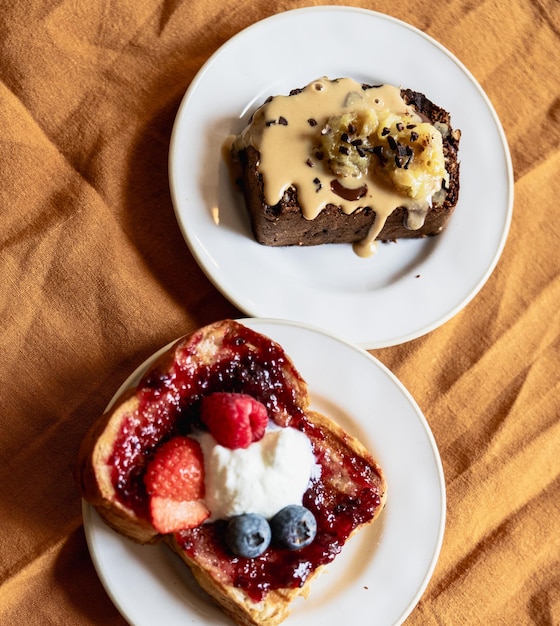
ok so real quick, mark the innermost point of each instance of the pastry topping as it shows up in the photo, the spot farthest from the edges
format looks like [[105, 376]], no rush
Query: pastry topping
[[345, 143], [177, 470], [352, 138], [348, 193], [248, 535], [294, 527], [234, 419], [169, 515], [263, 478], [281, 120], [174, 481]]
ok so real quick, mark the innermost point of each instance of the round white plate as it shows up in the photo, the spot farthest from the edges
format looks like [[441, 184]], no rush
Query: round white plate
[[382, 571], [408, 288]]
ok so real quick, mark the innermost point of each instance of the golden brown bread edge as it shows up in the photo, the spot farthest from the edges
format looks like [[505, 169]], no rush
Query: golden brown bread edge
[[93, 476]]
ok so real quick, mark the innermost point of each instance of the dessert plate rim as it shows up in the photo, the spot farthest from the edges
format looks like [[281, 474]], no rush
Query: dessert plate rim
[[386, 566], [410, 287]]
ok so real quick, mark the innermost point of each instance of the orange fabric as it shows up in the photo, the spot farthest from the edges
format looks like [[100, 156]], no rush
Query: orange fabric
[[96, 277]]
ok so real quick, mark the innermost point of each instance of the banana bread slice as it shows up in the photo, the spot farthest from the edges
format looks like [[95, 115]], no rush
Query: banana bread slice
[[285, 222]]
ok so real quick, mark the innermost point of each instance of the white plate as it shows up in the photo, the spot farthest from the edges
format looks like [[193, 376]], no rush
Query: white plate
[[382, 571], [408, 288]]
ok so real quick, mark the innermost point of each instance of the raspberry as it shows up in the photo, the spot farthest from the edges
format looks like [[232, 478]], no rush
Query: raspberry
[[177, 470], [169, 515], [235, 420]]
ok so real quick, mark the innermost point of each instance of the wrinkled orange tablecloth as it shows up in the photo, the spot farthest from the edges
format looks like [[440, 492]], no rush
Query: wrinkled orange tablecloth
[[95, 276]]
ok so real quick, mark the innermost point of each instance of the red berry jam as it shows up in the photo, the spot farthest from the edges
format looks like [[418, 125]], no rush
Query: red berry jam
[[346, 495]]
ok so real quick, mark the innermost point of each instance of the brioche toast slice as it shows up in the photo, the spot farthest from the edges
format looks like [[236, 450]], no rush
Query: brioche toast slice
[[347, 493]]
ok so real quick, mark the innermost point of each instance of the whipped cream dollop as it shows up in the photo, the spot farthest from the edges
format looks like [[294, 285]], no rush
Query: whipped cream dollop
[[263, 478]]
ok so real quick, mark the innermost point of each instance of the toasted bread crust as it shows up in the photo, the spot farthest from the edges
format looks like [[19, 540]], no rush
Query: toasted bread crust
[[94, 472]]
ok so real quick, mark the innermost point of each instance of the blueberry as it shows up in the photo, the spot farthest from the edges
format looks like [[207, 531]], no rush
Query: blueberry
[[294, 527], [248, 535]]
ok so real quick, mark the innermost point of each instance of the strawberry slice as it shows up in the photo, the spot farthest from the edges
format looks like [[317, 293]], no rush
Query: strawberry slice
[[169, 515], [177, 470], [174, 481], [235, 420]]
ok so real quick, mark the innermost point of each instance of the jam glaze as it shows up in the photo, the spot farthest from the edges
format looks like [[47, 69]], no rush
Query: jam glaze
[[345, 495]]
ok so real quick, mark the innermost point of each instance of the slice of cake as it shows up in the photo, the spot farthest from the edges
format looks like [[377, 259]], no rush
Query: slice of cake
[[217, 453], [342, 162]]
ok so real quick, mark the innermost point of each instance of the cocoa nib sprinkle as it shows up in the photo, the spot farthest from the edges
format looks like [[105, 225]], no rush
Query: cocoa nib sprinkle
[[378, 151], [403, 156], [312, 122], [281, 120], [348, 194], [413, 136], [317, 184]]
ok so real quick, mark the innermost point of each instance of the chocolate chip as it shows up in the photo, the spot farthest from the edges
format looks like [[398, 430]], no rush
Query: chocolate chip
[[319, 155], [385, 131], [310, 163], [400, 126], [351, 129], [318, 185], [392, 142], [351, 194], [413, 136], [344, 137], [378, 151], [312, 122], [356, 142], [411, 126], [281, 120], [343, 149]]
